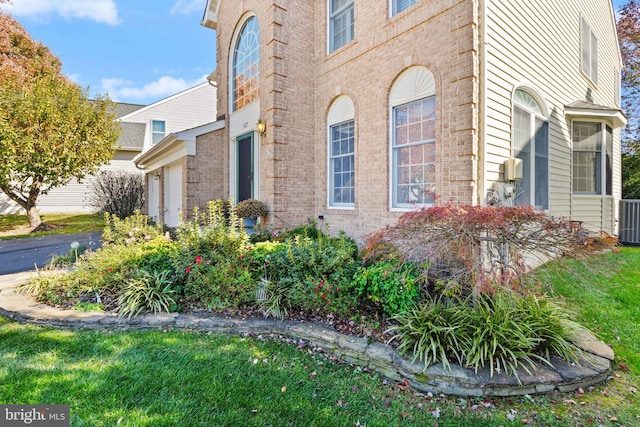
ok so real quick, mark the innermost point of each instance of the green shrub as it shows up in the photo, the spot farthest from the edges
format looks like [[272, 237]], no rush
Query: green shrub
[[219, 281], [325, 258], [395, 287], [148, 291], [131, 230]]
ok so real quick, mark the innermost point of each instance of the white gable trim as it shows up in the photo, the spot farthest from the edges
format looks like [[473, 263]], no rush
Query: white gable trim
[[162, 101], [174, 146]]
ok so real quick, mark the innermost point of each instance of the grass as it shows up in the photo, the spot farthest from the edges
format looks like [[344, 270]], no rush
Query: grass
[[604, 293], [183, 378], [62, 223]]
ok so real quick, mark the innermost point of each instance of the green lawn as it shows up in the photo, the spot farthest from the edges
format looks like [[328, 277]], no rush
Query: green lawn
[[181, 378], [63, 224]]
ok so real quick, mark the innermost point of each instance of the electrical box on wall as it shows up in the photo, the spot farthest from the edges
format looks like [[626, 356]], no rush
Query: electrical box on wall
[[513, 169]]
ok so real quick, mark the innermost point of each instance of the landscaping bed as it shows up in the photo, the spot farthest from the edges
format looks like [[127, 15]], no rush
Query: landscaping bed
[[444, 285]]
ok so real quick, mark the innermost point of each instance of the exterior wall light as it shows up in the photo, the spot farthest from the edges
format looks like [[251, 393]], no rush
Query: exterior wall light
[[261, 128]]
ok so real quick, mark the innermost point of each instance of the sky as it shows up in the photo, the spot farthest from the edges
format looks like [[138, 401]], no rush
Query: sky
[[137, 51]]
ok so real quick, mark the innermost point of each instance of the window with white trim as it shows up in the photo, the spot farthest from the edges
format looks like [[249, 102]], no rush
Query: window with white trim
[[342, 165], [592, 157], [246, 65], [531, 145], [341, 153], [589, 48], [398, 6], [341, 23], [157, 131], [413, 137]]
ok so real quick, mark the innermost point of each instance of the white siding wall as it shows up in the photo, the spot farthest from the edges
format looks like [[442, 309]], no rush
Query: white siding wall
[[73, 197], [537, 42], [185, 110]]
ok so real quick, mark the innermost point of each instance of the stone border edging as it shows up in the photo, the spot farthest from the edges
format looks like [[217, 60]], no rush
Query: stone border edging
[[594, 366]]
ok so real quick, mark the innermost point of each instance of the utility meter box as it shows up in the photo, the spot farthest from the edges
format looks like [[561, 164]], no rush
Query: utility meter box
[[513, 169]]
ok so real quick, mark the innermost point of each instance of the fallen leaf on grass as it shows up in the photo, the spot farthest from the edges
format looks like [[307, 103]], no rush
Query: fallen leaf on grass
[[284, 388], [613, 418]]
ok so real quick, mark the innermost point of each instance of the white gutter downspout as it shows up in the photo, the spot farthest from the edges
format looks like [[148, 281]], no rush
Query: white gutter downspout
[[482, 63]]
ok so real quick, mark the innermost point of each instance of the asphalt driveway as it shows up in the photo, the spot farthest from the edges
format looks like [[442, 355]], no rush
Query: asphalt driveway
[[17, 255]]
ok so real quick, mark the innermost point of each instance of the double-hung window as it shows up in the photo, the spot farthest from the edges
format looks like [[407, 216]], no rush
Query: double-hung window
[[341, 19], [531, 145], [589, 48], [342, 165], [413, 139], [414, 152], [157, 131], [592, 158], [398, 6], [341, 153]]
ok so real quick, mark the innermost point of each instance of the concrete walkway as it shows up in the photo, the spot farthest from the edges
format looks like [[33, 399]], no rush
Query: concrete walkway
[[594, 364]]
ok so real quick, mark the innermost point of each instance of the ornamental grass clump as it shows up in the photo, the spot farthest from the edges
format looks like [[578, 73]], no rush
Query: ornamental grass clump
[[149, 291], [505, 332]]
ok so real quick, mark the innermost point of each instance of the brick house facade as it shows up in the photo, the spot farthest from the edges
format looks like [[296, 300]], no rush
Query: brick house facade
[[371, 108]]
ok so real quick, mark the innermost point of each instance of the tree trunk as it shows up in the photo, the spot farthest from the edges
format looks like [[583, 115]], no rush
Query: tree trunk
[[34, 217]]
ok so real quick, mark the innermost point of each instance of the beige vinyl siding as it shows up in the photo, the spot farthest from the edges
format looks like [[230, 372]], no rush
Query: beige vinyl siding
[[537, 43], [75, 196]]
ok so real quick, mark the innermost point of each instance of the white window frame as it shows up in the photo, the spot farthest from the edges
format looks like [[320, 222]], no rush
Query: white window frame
[[333, 158], [538, 112], [342, 111], [393, 6], [588, 51], [606, 150], [232, 64], [157, 136], [416, 83], [334, 14]]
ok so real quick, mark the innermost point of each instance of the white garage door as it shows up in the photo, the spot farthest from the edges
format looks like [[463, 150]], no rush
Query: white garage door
[[172, 194]]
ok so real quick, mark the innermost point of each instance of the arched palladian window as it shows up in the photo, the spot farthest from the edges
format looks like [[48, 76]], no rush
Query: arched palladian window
[[531, 145], [246, 65], [413, 136], [341, 183]]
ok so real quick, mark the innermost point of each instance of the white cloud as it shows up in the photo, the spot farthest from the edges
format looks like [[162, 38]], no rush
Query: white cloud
[[125, 91], [103, 11], [187, 7]]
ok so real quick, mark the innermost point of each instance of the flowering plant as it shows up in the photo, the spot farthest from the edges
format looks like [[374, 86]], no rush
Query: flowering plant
[[250, 208]]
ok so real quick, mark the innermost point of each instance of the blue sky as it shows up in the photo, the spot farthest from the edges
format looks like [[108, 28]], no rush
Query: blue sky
[[137, 51]]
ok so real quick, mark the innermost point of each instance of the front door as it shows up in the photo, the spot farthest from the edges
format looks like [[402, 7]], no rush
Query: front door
[[244, 178]]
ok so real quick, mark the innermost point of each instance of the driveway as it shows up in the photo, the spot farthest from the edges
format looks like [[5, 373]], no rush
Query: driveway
[[17, 255]]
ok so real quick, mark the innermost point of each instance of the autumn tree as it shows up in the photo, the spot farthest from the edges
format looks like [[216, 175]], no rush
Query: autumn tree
[[629, 38], [50, 132]]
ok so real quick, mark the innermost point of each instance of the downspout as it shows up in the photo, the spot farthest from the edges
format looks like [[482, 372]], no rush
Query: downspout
[[482, 103]]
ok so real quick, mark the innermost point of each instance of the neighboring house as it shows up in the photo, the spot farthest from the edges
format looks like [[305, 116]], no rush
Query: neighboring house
[[372, 108], [142, 126]]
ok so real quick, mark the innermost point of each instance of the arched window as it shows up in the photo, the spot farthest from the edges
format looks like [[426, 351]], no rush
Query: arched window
[[413, 136], [246, 65], [531, 145], [341, 152]]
